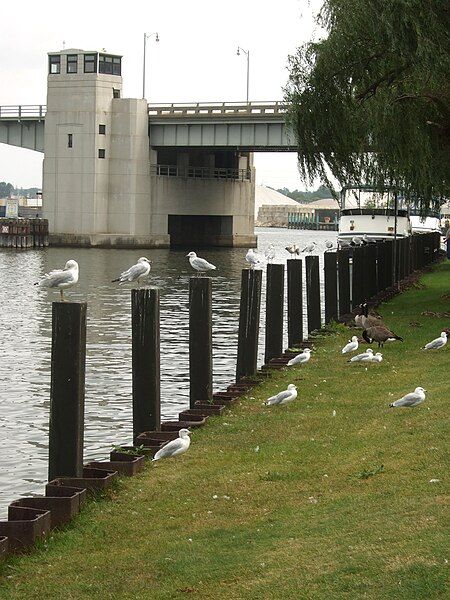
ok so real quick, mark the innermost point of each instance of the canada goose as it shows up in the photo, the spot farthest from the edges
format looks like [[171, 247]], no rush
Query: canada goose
[[379, 334], [372, 320]]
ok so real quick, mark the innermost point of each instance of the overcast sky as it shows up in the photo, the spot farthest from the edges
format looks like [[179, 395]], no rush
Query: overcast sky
[[195, 59]]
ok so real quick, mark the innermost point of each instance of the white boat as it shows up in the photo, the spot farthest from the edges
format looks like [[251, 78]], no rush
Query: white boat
[[367, 212], [425, 223]]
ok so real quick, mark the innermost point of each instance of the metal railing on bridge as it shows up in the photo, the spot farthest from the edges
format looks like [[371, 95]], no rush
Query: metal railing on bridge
[[218, 109], [200, 172], [23, 111]]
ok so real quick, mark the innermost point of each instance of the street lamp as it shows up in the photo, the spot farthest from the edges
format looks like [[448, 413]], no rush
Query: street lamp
[[146, 37], [247, 52]]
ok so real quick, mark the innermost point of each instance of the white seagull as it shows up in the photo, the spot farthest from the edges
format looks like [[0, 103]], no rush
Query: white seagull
[[301, 358], [61, 278], [200, 264], [363, 357], [270, 253], [252, 258], [137, 272], [293, 250], [378, 357], [310, 248], [283, 397], [413, 399], [329, 245], [356, 241], [351, 346], [175, 447], [437, 343]]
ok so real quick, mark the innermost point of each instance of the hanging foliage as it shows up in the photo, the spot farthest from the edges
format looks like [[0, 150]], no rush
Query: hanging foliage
[[371, 102]]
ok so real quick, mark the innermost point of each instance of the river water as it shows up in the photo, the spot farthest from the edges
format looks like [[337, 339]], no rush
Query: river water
[[25, 342]]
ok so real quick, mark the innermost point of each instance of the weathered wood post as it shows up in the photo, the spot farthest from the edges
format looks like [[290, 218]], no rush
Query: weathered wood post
[[331, 298], [66, 428], [343, 282], [294, 302], [200, 340], [313, 293], [249, 311], [274, 311], [145, 360]]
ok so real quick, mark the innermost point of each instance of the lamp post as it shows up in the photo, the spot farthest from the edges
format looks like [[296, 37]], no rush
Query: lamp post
[[247, 53], [146, 37]]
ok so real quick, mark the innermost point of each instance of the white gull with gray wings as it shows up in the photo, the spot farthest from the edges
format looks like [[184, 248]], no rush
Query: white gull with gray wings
[[283, 397], [199, 264], [137, 272], [61, 278], [413, 399], [178, 446]]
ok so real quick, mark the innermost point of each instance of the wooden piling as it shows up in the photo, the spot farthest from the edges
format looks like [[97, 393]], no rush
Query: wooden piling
[[274, 311], [200, 340], [145, 360], [294, 302], [249, 311], [331, 297], [313, 293], [343, 282], [68, 360]]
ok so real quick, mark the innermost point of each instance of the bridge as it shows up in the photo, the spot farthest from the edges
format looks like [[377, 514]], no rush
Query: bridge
[[252, 127]]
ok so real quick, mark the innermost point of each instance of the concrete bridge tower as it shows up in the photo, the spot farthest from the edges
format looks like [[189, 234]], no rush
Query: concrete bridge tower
[[104, 184]]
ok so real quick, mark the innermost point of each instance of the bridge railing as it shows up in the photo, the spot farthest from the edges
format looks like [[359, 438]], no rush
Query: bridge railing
[[23, 111], [212, 109], [200, 172]]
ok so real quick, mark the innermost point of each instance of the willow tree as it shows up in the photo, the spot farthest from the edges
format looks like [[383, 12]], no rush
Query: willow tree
[[370, 103]]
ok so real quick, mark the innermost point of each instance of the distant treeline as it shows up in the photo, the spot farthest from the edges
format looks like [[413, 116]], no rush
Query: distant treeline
[[322, 192], [7, 189]]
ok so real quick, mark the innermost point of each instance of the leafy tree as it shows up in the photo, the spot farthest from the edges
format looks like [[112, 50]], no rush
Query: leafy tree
[[370, 103], [6, 189], [301, 196]]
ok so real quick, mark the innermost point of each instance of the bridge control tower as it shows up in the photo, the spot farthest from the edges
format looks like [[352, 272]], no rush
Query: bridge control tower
[[104, 184]]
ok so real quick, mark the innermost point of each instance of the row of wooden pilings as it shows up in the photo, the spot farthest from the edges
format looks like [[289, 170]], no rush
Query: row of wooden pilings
[[23, 233], [350, 277]]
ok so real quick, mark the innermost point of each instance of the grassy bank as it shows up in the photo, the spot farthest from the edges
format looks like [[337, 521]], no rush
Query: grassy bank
[[283, 502]]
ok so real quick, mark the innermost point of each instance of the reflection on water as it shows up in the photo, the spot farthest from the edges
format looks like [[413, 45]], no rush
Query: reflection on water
[[26, 336]]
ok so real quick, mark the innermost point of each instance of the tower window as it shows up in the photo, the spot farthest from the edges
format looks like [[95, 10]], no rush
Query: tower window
[[72, 63], [102, 129], [101, 153], [54, 66], [110, 65], [116, 93], [90, 63], [70, 140]]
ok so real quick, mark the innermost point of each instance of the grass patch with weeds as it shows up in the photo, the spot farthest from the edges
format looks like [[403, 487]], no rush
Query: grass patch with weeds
[[293, 519]]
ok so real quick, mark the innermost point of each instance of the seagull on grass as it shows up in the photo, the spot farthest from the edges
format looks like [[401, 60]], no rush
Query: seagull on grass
[[137, 272], [378, 357], [200, 264], [413, 399], [178, 446], [363, 357], [351, 346], [437, 343], [283, 397], [301, 358], [61, 278]]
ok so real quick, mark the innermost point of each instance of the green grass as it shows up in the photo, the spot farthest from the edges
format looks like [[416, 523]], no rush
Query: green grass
[[329, 507]]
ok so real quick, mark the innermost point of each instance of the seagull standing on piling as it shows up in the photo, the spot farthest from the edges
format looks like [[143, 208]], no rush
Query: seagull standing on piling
[[283, 397], [137, 272], [178, 446], [200, 264], [293, 250], [270, 253], [413, 399], [351, 346], [252, 258], [310, 248], [328, 245], [437, 343], [300, 359], [61, 278]]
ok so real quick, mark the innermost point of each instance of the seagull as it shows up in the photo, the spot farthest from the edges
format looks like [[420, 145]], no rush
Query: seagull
[[310, 248], [270, 253], [356, 241], [283, 397], [437, 343], [137, 272], [293, 249], [364, 357], [368, 240], [329, 245], [413, 399], [301, 358], [175, 447], [61, 278], [378, 357], [200, 264], [351, 346], [252, 258]]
